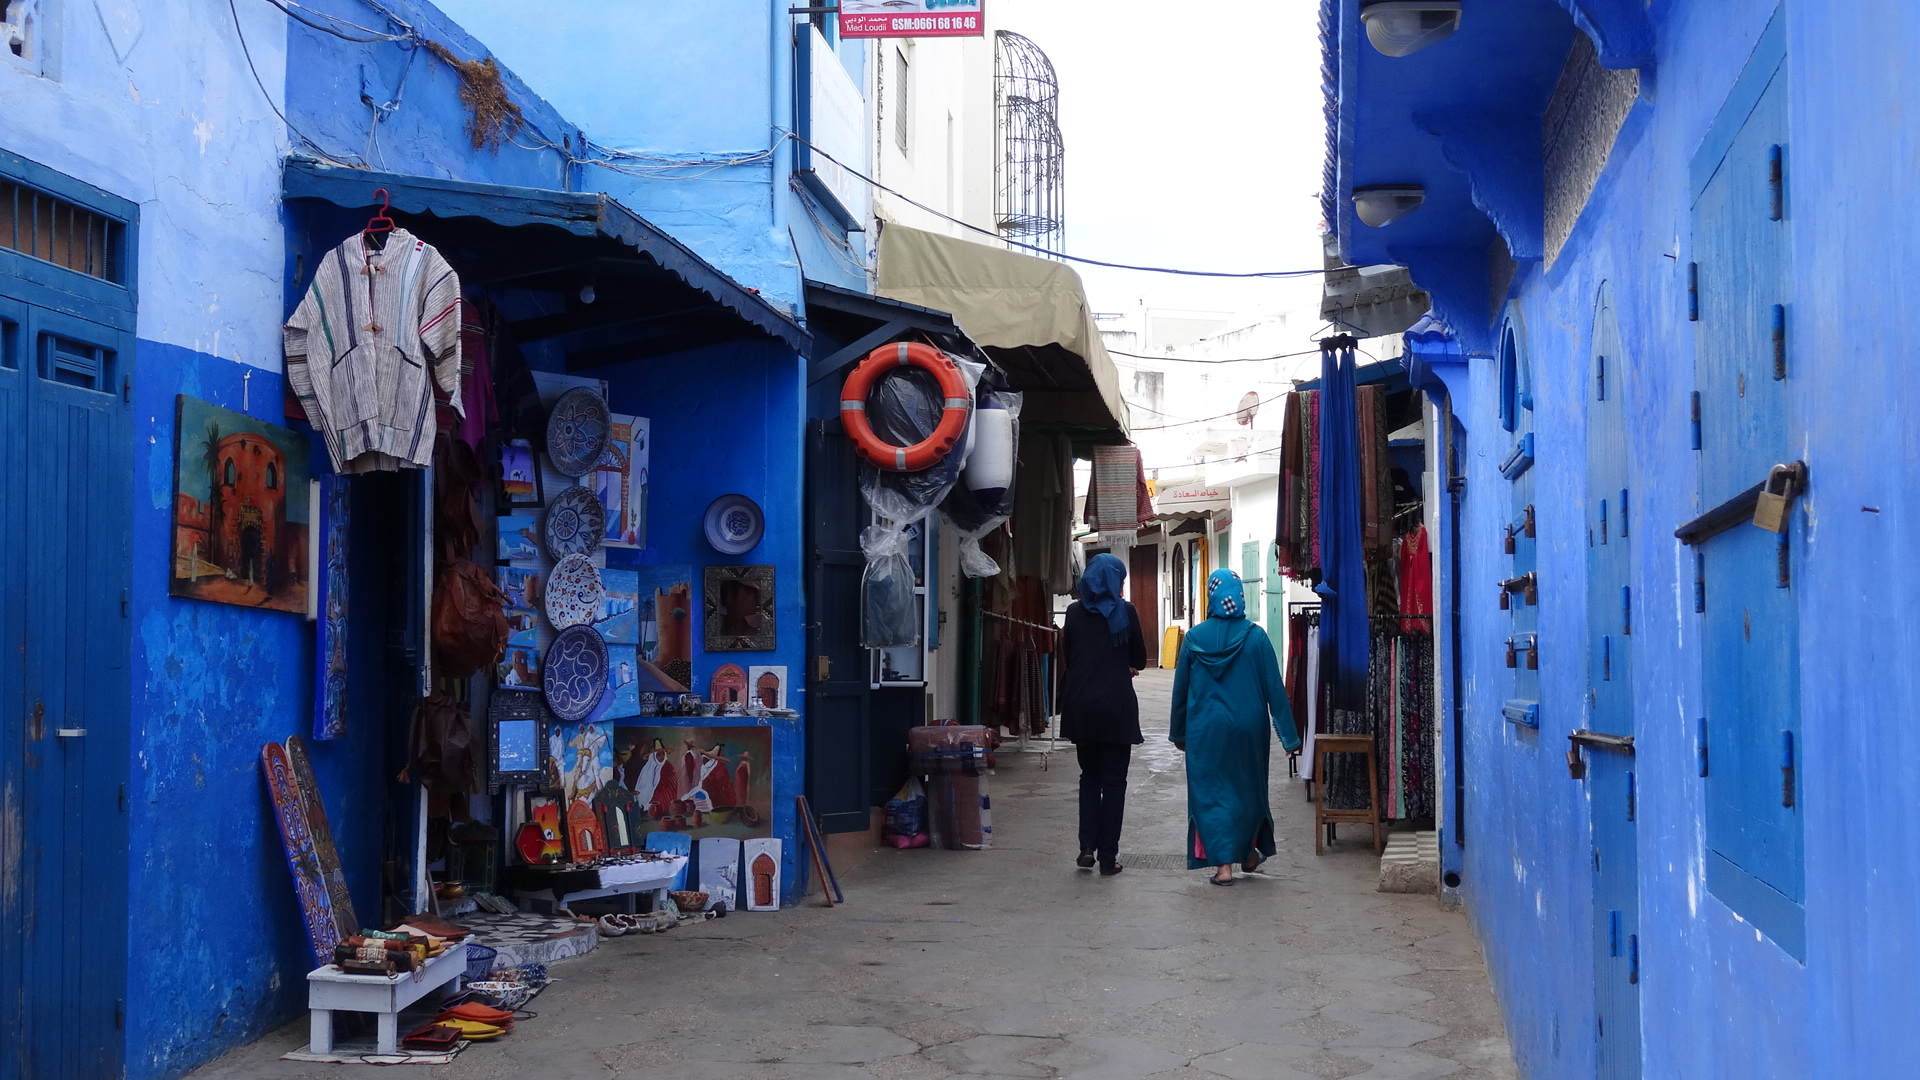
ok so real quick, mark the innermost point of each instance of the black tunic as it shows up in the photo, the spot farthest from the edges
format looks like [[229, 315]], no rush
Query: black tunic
[[1097, 702]]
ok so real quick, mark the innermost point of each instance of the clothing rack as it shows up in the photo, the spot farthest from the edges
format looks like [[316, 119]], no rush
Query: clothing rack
[[1025, 744]]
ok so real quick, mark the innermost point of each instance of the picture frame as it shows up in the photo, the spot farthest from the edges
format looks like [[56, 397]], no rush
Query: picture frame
[[520, 484], [519, 726], [738, 609]]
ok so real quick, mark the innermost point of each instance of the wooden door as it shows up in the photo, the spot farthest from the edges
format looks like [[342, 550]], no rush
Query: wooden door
[[1143, 588]]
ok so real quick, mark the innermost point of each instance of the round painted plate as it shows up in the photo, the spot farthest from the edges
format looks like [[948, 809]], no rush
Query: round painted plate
[[575, 524], [574, 592], [734, 524], [577, 431], [575, 678]]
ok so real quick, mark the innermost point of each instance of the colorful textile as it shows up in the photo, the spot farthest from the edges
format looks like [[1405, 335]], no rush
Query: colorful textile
[[1343, 585], [373, 341], [1226, 595], [1227, 696], [1416, 583]]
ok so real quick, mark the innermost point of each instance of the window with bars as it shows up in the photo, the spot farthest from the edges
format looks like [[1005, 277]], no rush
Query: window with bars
[[902, 101], [52, 229]]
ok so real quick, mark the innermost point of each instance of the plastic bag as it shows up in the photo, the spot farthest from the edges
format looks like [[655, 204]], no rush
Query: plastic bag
[[983, 501], [905, 408], [906, 817], [889, 611]]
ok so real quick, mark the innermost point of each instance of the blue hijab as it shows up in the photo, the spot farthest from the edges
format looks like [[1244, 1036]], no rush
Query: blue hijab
[[1100, 592], [1226, 596]]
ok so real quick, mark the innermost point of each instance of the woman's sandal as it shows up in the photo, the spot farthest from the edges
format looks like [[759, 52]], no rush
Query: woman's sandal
[[1253, 865], [1219, 881]]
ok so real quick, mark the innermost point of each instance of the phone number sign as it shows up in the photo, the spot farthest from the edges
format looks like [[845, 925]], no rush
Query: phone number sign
[[912, 18]]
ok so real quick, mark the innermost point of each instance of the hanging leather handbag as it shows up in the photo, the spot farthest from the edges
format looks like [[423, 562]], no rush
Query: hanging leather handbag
[[469, 620]]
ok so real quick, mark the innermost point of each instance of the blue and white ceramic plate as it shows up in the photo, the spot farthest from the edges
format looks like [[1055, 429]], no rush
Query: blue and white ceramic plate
[[734, 524], [575, 523], [577, 430], [575, 678]]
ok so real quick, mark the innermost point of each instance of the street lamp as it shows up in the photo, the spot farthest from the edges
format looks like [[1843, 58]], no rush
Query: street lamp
[[1404, 27]]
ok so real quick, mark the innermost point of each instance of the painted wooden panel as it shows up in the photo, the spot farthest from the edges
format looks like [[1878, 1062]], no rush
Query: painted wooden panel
[[1610, 776], [1750, 631]]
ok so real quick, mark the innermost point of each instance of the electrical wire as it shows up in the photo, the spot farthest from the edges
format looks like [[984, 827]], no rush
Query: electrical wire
[[1230, 360], [1205, 419], [372, 35], [262, 84], [1269, 451], [909, 200]]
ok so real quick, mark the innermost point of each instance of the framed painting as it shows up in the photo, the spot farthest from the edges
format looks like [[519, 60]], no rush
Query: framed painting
[[768, 686], [738, 609], [527, 634], [620, 481], [519, 538], [664, 605], [521, 724], [705, 781], [520, 486], [241, 510]]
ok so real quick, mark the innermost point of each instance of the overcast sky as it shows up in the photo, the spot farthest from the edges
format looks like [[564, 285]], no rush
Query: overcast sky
[[1194, 139]]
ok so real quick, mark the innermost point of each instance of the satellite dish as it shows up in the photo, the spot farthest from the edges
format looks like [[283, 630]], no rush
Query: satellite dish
[[1249, 404]]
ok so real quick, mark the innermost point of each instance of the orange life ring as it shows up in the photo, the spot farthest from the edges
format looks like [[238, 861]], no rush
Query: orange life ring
[[953, 416]]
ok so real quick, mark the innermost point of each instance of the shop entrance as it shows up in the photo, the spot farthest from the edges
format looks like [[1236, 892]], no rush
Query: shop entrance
[[66, 353]]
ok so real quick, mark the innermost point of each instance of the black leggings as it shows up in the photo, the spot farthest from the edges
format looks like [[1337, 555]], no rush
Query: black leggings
[[1103, 796]]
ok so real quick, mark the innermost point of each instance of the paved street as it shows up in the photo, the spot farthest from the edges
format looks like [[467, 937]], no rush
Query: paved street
[[1011, 963]]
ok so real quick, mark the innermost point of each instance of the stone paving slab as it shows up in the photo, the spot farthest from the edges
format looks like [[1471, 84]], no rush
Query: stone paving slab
[[1012, 963]]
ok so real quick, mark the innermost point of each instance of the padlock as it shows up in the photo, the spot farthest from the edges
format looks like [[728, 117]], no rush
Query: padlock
[[1509, 544], [1531, 531], [1576, 765], [1506, 599], [1532, 590], [1533, 653], [1513, 658], [1776, 496]]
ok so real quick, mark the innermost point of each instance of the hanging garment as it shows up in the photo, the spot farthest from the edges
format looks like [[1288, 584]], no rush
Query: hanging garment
[[478, 410], [375, 340], [1343, 587], [1415, 783], [1313, 695], [1042, 522], [1416, 583]]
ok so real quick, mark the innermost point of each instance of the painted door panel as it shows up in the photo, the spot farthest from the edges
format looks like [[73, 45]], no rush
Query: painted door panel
[[64, 426], [1610, 776], [1750, 631], [839, 765], [1143, 589]]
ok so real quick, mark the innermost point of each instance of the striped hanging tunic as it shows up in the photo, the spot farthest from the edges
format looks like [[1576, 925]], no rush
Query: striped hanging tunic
[[376, 336]]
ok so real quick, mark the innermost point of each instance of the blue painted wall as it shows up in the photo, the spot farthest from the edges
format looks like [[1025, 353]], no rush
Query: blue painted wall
[[1717, 997]]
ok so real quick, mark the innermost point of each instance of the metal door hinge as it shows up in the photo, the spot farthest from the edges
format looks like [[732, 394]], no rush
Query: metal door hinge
[[126, 389], [1776, 183], [1626, 610], [1699, 582], [1696, 419], [1633, 798], [1623, 513], [1786, 769], [1633, 959], [123, 603], [1779, 341], [1700, 743], [1693, 292], [122, 800], [119, 1014]]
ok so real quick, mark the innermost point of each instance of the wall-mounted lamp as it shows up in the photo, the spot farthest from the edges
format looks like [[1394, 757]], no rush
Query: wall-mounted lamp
[[587, 293], [1387, 203], [1404, 27]]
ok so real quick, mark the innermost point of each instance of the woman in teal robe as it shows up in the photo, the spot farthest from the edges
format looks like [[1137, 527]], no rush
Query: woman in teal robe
[[1227, 694]]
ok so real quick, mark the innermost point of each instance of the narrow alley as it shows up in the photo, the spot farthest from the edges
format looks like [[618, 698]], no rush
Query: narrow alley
[[1011, 963]]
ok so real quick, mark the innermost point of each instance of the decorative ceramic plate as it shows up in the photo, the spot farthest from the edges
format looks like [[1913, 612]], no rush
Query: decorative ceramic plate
[[734, 524], [577, 431], [575, 523], [573, 592], [576, 673]]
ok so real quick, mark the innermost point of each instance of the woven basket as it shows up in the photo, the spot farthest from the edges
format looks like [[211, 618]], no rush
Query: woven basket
[[689, 901]]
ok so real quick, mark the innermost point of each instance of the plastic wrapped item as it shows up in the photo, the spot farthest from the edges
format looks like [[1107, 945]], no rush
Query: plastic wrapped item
[[953, 759], [906, 825], [889, 611], [905, 408], [983, 500]]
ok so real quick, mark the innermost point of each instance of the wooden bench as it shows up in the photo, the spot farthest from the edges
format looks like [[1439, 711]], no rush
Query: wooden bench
[[331, 990], [1323, 818]]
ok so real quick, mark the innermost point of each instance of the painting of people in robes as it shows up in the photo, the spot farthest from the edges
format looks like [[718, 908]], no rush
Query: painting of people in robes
[[703, 781]]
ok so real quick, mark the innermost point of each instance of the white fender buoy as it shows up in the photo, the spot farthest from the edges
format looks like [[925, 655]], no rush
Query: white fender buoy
[[989, 468]]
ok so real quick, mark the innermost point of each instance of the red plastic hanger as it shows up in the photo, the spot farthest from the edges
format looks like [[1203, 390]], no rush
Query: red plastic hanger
[[380, 224]]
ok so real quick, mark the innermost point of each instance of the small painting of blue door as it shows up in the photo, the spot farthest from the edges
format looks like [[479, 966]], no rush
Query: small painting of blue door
[[1608, 760], [66, 337]]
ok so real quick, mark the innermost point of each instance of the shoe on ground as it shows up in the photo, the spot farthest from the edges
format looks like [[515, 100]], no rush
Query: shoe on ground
[[1085, 861], [1110, 869]]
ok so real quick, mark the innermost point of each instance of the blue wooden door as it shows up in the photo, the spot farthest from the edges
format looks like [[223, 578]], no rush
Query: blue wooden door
[[65, 519], [1610, 773], [1750, 627]]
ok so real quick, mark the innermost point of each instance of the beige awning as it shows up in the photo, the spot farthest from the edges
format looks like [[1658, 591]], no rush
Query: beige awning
[[1029, 314]]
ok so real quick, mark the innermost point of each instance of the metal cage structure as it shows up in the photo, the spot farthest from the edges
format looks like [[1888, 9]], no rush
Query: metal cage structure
[[1030, 167]]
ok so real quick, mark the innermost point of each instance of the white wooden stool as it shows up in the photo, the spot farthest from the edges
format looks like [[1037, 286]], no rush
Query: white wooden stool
[[331, 990]]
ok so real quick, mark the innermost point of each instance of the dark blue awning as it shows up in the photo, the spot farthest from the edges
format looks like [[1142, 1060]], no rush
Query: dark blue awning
[[525, 237]]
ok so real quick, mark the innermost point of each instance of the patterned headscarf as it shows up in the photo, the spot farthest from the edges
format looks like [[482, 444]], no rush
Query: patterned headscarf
[[1100, 591], [1226, 597]]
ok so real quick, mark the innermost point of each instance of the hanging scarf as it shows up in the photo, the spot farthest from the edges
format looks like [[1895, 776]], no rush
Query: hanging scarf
[[1226, 596], [1100, 592]]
